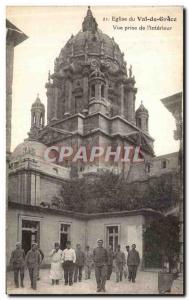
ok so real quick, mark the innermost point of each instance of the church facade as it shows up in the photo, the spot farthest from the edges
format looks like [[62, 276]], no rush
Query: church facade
[[90, 102]]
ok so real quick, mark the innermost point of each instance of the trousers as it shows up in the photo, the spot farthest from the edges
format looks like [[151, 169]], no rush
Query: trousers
[[101, 274], [33, 276], [109, 271], [132, 272], [68, 267], [88, 269], [119, 271], [78, 272], [18, 270]]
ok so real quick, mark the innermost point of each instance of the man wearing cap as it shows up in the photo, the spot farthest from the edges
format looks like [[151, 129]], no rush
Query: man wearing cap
[[100, 258], [69, 258], [17, 264], [32, 262], [133, 261]]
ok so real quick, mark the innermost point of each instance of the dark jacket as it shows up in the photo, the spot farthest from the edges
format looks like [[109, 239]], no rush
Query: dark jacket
[[110, 257], [119, 257], [80, 258], [17, 259], [133, 258], [32, 259], [100, 256]]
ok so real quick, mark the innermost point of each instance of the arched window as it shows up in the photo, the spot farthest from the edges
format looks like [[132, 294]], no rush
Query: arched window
[[102, 91], [92, 91]]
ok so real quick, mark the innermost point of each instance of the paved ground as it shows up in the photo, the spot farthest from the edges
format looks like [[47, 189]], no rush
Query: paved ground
[[146, 283]]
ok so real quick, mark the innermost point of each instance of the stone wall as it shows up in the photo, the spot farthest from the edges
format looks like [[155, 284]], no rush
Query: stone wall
[[49, 230]]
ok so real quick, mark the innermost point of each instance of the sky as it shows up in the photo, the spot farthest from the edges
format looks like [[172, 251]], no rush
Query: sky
[[156, 57]]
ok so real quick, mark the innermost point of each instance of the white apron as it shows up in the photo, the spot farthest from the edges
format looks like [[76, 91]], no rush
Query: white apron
[[56, 271]]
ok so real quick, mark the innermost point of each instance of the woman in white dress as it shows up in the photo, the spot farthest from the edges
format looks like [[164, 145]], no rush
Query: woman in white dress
[[56, 270]]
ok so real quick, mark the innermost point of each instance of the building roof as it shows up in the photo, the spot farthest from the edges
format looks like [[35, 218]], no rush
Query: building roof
[[29, 148], [90, 40], [84, 216], [15, 34], [141, 109], [173, 103]]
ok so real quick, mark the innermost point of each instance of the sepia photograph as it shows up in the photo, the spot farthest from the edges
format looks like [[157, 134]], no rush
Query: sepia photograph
[[94, 150]]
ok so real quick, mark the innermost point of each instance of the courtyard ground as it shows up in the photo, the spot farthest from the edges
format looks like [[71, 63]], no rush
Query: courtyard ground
[[146, 283]]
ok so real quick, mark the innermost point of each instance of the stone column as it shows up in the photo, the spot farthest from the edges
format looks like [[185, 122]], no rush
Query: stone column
[[9, 79], [50, 93], [68, 96], [86, 88], [35, 189], [55, 116], [131, 91], [122, 99]]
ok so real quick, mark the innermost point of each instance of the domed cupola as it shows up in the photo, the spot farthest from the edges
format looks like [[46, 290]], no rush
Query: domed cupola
[[37, 118], [90, 67], [142, 116]]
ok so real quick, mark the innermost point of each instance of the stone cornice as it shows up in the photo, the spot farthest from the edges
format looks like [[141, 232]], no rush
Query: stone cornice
[[104, 116], [84, 216]]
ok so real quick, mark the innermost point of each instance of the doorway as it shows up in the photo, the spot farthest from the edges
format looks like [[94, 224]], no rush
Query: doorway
[[64, 235], [30, 234]]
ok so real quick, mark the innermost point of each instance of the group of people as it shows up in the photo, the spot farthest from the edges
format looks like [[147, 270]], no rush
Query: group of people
[[32, 261], [71, 262]]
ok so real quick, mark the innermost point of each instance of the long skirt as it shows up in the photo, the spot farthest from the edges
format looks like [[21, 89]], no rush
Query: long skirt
[[56, 271]]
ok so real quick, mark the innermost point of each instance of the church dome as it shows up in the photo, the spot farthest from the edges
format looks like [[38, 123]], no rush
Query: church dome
[[141, 109], [38, 104], [29, 149], [90, 40]]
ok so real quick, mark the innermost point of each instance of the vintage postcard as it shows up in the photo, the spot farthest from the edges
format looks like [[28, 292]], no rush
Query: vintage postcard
[[94, 101]]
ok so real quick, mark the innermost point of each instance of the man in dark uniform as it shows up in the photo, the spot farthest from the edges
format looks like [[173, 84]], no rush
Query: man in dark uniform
[[79, 263], [133, 261], [32, 262], [110, 262], [17, 263], [100, 258]]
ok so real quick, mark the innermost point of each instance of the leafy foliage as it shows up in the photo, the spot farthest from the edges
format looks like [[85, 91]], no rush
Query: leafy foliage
[[108, 192]]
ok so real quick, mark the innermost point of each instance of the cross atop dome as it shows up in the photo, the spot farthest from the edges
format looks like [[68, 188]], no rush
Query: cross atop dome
[[89, 23]]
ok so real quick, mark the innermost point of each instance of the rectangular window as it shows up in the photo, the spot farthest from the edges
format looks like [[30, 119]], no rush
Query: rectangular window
[[113, 236], [164, 164], [64, 235]]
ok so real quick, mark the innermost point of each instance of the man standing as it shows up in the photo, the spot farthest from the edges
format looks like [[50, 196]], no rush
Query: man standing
[[69, 259], [100, 257], [17, 264], [125, 267], [88, 262], [133, 261], [79, 263], [41, 259], [119, 263], [110, 262], [32, 262]]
